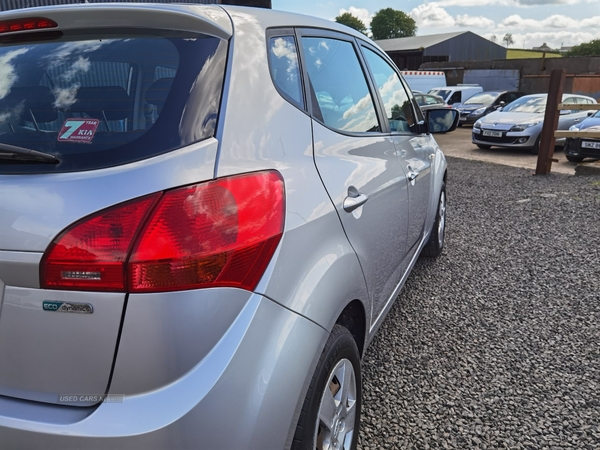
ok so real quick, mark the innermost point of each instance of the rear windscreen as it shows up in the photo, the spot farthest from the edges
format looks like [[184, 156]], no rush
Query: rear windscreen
[[100, 99]]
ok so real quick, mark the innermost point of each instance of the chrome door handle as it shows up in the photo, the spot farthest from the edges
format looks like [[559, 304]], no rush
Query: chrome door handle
[[354, 199], [576, 120], [412, 174]]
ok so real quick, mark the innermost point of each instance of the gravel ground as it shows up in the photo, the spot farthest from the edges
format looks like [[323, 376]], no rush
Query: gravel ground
[[496, 344]]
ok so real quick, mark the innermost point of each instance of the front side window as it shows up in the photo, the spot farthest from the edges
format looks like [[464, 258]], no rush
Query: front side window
[[339, 85], [283, 63], [94, 99], [395, 99]]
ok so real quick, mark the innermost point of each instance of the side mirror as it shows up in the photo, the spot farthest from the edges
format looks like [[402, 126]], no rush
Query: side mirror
[[442, 120], [590, 113], [564, 112]]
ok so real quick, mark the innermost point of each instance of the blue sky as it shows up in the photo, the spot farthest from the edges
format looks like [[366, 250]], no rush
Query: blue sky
[[531, 22]]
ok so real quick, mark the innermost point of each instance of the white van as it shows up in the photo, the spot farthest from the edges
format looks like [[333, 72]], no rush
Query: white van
[[454, 95], [423, 80]]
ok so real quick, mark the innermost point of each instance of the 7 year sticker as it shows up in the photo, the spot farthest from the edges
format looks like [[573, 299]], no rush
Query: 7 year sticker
[[78, 130]]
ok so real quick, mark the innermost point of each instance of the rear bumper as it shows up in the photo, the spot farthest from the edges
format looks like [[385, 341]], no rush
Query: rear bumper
[[245, 393]]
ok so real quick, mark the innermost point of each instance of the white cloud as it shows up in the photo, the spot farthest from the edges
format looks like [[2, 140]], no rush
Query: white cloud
[[432, 15], [473, 22], [516, 22], [361, 13]]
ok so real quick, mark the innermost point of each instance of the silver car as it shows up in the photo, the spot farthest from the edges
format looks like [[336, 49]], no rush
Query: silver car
[[205, 214], [519, 124]]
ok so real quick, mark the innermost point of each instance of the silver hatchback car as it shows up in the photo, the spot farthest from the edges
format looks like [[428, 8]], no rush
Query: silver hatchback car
[[519, 124], [205, 214]]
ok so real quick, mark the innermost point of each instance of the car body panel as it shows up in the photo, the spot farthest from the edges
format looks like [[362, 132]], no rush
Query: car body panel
[[227, 386], [373, 169]]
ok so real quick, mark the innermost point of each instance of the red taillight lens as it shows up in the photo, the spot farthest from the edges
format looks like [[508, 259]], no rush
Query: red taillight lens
[[30, 23], [219, 233]]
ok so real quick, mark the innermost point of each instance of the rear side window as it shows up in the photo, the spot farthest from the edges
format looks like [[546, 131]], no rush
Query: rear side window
[[283, 62], [100, 99], [339, 84]]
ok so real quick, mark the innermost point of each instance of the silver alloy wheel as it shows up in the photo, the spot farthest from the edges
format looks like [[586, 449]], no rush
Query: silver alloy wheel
[[337, 410], [442, 219]]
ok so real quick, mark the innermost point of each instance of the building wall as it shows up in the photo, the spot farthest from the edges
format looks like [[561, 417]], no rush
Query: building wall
[[467, 47]]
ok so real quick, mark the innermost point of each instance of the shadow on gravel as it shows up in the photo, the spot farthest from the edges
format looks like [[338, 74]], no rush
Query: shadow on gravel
[[496, 344]]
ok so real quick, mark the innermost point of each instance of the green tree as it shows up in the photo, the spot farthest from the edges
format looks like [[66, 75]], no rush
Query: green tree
[[352, 21], [389, 23], [591, 48], [508, 39]]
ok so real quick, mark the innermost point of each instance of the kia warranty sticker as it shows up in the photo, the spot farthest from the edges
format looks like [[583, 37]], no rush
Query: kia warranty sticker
[[78, 130]]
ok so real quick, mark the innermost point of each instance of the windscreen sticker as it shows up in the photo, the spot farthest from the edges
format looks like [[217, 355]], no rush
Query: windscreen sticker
[[78, 130]]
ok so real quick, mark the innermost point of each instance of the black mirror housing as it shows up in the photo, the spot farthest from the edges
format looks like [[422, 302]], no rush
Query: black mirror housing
[[441, 120]]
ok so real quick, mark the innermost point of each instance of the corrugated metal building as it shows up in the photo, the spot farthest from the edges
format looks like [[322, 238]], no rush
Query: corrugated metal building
[[409, 53]]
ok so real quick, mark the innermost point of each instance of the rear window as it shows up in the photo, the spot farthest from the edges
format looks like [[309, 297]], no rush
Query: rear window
[[95, 100]]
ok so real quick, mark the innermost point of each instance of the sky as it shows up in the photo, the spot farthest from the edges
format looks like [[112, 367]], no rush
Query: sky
[[531, 22]]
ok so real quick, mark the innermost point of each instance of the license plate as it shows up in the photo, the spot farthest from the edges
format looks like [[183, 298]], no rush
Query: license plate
[[492, 133], [588, 144]]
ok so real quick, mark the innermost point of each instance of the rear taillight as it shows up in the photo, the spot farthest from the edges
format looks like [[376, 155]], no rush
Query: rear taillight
[[214, 234], [28, 24]]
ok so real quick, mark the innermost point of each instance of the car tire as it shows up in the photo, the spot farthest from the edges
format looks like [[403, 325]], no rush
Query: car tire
[[435, 245], [335, 395], [483, 146], [574, 159]]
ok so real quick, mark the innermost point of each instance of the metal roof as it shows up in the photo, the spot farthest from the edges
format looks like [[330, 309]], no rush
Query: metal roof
[[416, 42]]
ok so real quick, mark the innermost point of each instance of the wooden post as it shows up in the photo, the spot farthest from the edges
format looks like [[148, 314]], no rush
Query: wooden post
[[547, 140]]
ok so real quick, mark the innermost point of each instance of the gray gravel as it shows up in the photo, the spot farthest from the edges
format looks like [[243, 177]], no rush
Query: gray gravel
[[496, 344]]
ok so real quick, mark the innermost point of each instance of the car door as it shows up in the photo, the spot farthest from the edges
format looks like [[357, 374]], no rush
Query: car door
[[414, 149], [356, 159]]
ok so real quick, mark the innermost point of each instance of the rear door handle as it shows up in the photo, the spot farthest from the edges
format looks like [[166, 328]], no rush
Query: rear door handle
[[354, 199], [412, 174]]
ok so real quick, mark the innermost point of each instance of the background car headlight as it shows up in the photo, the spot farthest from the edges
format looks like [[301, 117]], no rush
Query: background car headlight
[[523, 126], [478, 111], [574, 128]]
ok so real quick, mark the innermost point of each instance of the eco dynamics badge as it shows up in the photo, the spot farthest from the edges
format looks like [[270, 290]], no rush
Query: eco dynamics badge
[[68, 307], [78, 130]]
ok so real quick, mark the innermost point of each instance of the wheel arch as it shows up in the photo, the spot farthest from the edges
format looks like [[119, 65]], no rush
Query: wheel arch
[[354, 319]]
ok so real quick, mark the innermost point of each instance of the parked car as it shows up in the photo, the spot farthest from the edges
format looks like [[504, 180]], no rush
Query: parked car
[[484, 103], [429, 101], [577, 149], [198, 239], [454, 95], [519, 124]]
